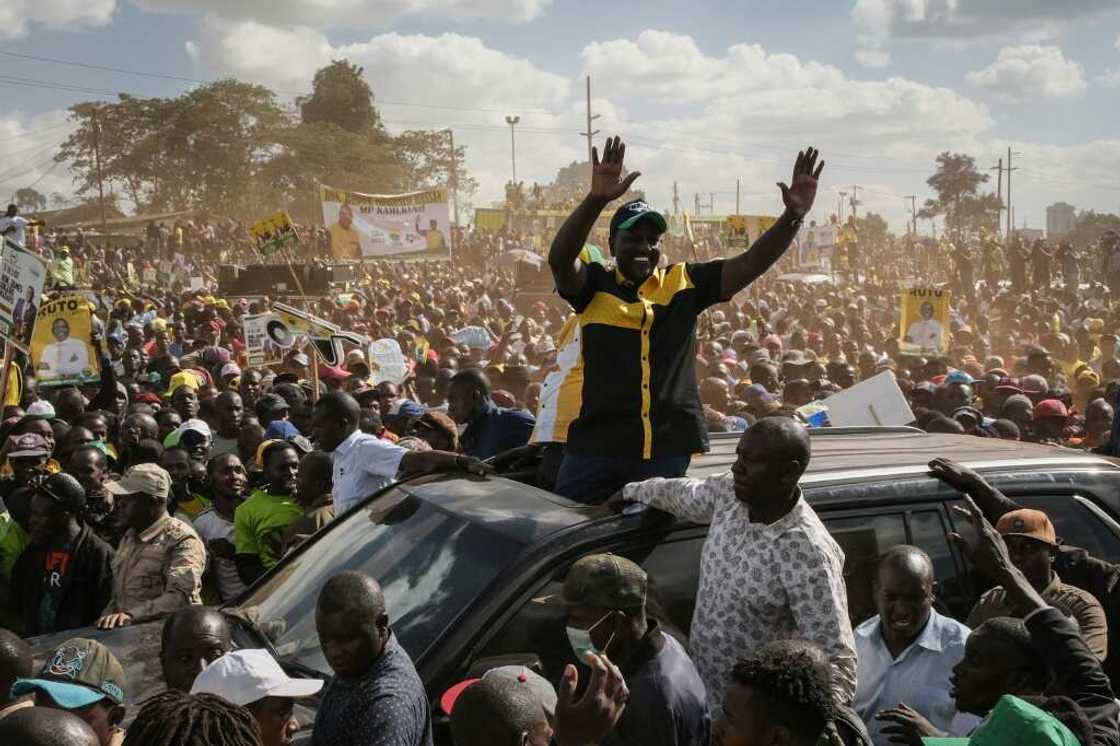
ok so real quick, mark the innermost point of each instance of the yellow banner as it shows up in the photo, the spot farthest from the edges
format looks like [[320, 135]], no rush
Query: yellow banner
[[60, 344], [373, 225], [925, 322]]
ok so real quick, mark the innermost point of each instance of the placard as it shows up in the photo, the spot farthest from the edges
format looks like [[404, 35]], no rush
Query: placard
[[60, 346]]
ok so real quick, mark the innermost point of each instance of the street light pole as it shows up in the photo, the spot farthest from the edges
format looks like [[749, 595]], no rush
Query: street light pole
[[512, 121]]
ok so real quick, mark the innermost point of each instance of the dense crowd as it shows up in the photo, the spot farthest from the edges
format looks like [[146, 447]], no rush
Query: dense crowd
[[184, 475]]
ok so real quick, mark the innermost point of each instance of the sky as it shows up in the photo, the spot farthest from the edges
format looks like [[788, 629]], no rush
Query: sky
[[703, 93]]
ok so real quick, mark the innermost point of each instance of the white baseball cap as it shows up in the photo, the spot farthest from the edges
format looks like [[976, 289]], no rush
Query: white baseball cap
[[242, 677]]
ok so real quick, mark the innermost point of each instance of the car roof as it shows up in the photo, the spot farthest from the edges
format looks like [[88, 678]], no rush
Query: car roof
[[858, 454], [527, 514]]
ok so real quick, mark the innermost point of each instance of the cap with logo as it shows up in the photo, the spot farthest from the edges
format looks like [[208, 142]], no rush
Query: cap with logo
[[64, 490], [242, 677], [1015, 721], [1033, 524], [29, 445], [42, 409], [78, 674], [149, 479], [630, 214], [604, 581]]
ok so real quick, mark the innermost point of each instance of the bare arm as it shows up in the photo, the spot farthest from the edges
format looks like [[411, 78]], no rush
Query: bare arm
[[606, 185], [742, 270]]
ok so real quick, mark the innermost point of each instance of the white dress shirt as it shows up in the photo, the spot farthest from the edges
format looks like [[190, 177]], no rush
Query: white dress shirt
[[363, 464], [759, 583], [919, 676]]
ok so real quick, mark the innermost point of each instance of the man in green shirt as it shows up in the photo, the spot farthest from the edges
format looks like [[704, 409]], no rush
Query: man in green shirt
[[259, 522]]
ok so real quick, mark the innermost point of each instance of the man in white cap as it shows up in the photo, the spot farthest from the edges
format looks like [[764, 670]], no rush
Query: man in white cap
[[255, 681], [159, 564]]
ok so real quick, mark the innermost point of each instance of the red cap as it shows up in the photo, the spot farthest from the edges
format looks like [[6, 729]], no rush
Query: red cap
[[333, 373], [1050, 408], [447, 700]]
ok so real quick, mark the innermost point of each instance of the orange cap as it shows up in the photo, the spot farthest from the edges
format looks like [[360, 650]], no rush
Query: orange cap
[[1033, 524]]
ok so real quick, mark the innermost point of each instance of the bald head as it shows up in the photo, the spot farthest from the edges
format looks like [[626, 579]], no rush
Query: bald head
[[352, 592], [46, 726], [908, 560], [904, 595], [339, 404], [495, 710], [781, 438]]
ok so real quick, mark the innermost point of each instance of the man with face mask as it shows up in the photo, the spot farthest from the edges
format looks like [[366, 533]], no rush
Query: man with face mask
[[641, 415], [769, 569], [605, 597]]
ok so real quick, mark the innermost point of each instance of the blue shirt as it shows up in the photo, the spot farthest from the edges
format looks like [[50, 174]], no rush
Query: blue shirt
[[919, 676], [386, 706], [494, 430]]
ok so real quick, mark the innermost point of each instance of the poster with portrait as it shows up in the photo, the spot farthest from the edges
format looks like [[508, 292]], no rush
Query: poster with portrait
[[22, 275], [375, 225], [60, 346], [260, 350], [925, 322]]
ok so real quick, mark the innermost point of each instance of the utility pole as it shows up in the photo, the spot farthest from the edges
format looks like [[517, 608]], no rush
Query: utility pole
[[711, 203], [696, 211], [736, 195], [100, 181], [998, 168], [855, 200], [589, 133], [913, 213], [454, 177], [840, 212], [1010, 219], [512, 121], [676, 199]]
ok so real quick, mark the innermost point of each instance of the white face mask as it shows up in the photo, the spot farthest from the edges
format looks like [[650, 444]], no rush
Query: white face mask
[[580, 639]]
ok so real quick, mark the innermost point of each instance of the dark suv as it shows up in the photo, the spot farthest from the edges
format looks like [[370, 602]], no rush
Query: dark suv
[[461, 560]]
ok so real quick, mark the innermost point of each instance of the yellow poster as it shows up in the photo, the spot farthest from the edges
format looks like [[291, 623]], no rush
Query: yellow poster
[[925, 322], [274, 232], [60, 346]]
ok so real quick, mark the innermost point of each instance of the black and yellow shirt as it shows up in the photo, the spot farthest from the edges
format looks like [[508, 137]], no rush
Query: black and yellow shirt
[[639, 397]]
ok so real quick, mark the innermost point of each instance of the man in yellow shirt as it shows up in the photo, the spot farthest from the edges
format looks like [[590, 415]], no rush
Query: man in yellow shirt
[[345, 242], [433, 235]]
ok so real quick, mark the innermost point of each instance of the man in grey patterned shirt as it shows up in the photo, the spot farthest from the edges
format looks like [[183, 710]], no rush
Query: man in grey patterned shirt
[[769, 569]]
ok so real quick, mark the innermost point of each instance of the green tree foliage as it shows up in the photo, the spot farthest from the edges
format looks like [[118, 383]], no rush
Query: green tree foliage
[[872, 229], [230, 148], [30, 200], [571, 184], [966, 210], [341, 96]]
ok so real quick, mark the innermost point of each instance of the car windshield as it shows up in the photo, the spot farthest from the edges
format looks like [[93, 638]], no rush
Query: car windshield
[[430, 564]]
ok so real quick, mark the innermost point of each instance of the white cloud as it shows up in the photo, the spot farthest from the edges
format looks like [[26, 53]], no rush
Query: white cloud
[[879, 20], [354, 13], [17, 17], [27, 147], [1032, 71], [1109, 79], [872, 57]]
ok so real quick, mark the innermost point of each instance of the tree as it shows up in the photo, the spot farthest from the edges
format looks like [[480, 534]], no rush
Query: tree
[[341, 96], [427, 156], [872, 229], [30, 199], [957, 183], [1089, 227], [571, 183]]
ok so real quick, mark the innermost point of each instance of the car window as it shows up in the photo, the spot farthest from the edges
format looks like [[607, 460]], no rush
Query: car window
[[672, 569], [1075, 524], [430, 564], [929, 531], [864, 538]]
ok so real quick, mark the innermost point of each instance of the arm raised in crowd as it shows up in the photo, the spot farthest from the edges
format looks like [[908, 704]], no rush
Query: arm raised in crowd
[[1056, 638], [607, 184], [798, 196]]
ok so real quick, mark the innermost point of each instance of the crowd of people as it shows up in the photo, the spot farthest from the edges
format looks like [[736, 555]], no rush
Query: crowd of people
[[183, 475]]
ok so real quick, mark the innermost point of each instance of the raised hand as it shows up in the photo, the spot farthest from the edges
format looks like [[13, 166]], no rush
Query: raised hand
[[988, 551], [606, 175], [957, 476], [588, 721], [800, 193]]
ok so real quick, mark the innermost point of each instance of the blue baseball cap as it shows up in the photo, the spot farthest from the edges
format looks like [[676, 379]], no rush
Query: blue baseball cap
[[80, 673]]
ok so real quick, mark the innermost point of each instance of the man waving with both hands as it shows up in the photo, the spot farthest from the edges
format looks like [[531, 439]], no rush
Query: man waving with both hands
[[640, 415]]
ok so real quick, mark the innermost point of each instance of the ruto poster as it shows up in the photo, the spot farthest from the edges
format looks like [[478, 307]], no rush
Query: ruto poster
[[274, 233], [925, 321], [374, 225], [60, 345], [21, 289]]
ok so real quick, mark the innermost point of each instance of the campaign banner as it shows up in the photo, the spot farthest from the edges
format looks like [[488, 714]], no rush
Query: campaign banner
[[925, 322], [376, 225], [274, 233], [815, 246], [22, 275], [60, 346], [260, 350]]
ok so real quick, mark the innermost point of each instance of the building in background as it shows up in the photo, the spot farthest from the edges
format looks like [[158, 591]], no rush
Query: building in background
[[1060, 219]]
